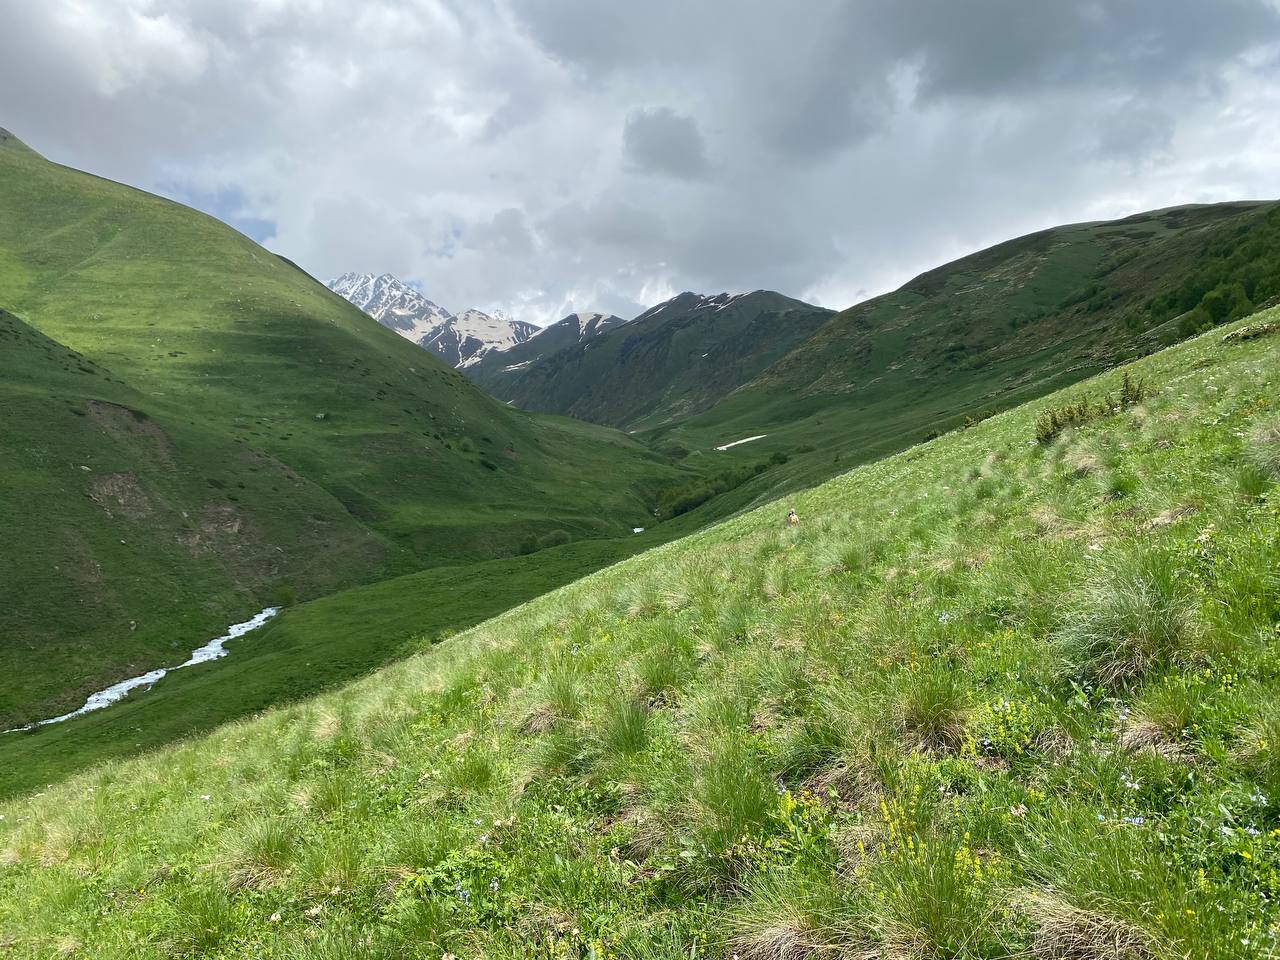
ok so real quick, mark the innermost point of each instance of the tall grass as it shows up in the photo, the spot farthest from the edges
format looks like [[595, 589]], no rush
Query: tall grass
[[1136, 613]]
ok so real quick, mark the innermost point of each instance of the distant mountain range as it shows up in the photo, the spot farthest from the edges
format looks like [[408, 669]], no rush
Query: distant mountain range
[[673, 361], [569, 332], [460, 340]]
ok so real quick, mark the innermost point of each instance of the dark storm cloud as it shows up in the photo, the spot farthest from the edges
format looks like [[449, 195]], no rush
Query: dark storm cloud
[[546, 155]]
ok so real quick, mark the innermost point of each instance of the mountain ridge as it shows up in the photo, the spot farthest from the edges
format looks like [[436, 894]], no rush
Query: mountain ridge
[[458, 339], [676, 358]]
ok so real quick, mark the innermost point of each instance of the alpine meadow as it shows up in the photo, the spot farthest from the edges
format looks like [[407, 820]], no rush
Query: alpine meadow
[[580, 480]]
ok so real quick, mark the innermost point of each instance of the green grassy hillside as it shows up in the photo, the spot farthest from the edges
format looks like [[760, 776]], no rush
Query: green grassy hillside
[[993, 697], [673, 361], [249, 437], [128, 536], [988, 332], [309, 647]]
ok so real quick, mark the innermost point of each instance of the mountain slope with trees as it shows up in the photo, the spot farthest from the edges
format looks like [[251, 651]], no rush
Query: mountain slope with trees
[[987, 332]]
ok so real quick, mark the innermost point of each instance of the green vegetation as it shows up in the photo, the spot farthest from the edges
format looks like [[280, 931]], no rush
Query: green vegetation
[[194, 429], [1237, 273], [683, 497], [985, 701], [979, 335], [308, 648], [1085, 410]]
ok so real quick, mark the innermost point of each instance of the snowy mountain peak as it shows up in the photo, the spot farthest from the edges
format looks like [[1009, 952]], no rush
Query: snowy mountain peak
[[480, 332], [458, 340], [589, 324]]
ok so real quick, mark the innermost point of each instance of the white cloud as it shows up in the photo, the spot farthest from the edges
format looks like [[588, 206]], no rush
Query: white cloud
[[503, 152]]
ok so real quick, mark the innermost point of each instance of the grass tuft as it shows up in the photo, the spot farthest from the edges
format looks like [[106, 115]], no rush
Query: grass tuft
[[1135, 614]]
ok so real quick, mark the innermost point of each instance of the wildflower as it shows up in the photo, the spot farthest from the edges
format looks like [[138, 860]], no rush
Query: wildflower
[[1258, 797], [945, 617], [275, 917], [1134, 821], [493, 885]]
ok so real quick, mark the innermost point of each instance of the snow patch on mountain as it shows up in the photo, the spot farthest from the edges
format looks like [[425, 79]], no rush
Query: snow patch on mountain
[[459, 340], [690, 302]]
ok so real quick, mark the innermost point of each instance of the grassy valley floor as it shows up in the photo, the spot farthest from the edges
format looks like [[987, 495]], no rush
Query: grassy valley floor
[[996, 696]]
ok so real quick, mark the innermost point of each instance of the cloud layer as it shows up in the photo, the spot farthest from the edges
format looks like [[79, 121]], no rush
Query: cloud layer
[[542, 156]]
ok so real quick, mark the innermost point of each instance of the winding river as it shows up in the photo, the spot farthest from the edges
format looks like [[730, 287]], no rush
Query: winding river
[[213, 650]]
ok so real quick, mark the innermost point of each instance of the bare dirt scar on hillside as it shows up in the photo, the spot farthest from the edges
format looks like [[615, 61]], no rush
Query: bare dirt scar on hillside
[[124, 424], [120, 493]]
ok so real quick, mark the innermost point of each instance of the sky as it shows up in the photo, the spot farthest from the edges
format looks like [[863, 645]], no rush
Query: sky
[[547, 156]]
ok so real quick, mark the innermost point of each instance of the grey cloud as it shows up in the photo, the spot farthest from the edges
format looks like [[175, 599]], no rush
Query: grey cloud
[[1013, 48], [507, 234], [490, 148], [661, 141]]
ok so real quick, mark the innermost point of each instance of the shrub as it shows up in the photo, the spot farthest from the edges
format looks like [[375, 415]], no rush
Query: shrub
[[625, 727], [1252, 332], [941, 898], [732, 800], [1086, 410]]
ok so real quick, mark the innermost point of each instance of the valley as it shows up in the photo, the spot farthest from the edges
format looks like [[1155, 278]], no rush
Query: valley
[[982, 717], [279, 473], [609, 481]]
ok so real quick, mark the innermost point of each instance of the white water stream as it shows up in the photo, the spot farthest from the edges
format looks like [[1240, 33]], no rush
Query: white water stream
[[758, 436], [213, 650]]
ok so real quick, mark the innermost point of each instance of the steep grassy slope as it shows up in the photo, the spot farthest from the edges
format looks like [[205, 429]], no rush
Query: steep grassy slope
[[206, 322], [309, 647], [127, 536], [671, 362], [990, 331], [991, 698], [249, 435]]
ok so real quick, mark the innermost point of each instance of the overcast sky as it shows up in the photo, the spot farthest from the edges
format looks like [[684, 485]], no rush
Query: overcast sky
[[543, 156]]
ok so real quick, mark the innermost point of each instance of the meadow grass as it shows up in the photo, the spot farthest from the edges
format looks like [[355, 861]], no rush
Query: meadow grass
[[977, 704]]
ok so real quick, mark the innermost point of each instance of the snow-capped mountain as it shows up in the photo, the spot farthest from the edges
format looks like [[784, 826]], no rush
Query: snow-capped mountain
[[458, 340], [569, 332], [464, 339], [686, 303], [392, 303]]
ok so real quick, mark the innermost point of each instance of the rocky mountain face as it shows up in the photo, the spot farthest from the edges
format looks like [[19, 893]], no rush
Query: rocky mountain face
[[460, 340]]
